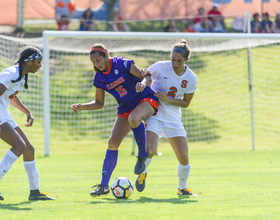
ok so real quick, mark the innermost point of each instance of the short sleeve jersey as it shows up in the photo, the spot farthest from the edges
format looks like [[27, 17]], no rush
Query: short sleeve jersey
[[6, 77], [119, 82], [63, 26], [264, 23], [165, 79], [199, 18], [213, 13]]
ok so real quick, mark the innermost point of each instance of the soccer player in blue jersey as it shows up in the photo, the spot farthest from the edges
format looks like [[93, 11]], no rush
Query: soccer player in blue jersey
[[122, 79]]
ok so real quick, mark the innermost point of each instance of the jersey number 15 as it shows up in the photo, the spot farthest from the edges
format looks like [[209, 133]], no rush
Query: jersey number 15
[[122, 91]]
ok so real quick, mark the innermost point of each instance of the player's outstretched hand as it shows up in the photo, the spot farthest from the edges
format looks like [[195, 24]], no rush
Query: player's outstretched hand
[[77, 107]]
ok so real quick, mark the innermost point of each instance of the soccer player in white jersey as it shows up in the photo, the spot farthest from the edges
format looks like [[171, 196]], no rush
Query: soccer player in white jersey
[[174, 84], [11, 81]]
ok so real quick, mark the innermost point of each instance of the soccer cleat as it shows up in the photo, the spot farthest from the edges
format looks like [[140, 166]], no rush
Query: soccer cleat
[[185, 191], [40, 196], [100, 191], [1, 197], [140, 182], [140, 165]]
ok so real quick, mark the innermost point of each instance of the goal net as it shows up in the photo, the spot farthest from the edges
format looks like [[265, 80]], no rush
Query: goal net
[[236, 104]]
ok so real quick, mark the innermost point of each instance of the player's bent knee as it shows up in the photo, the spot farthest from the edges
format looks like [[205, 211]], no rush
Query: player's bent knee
[[134, 121], [30, 150]]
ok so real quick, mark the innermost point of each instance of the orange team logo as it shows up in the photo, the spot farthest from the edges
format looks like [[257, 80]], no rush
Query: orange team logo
[[13, 95], [118, 192]]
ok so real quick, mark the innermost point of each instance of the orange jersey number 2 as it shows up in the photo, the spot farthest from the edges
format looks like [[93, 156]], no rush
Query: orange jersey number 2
[[173, 89], [172, 92]]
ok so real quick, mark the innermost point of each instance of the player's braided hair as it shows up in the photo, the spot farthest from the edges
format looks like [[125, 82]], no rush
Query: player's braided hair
[[24, 54], [184, 45]]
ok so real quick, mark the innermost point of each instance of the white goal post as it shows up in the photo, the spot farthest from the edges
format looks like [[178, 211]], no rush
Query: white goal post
[[223, 106]]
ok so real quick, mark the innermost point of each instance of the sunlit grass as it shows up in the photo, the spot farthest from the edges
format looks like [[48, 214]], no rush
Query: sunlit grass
[[231, 184]]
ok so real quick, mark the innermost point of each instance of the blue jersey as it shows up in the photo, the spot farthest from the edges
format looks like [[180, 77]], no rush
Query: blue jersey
[[119, 82]]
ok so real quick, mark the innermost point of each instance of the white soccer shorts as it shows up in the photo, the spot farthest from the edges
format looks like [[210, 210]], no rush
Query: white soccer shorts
[[8, 118], [163, 129]]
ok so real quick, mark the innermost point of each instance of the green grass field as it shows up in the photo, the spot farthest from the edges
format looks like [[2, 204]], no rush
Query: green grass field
[[231, 184]]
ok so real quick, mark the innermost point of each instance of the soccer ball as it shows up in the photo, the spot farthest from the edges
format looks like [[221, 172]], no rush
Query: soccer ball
[[122, 188]]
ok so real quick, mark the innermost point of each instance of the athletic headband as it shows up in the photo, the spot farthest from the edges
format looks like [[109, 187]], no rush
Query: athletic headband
[[34, 56], [95, 49], [180, 50]]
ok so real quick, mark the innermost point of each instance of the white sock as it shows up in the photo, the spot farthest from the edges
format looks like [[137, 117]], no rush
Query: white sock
[[32, 174], [7, 162], [183, 175], [148, 161]]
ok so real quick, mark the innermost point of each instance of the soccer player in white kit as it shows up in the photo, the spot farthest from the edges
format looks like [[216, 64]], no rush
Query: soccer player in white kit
[[174, 84], [11, 81]]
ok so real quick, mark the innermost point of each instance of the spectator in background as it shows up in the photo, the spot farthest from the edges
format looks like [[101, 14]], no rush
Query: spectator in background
[[87, 21], [171, 27], [63, 22], [276, 24], [119, 26], [217, 19], [255, 24], [202, 23], [266, 23]]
